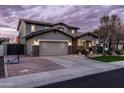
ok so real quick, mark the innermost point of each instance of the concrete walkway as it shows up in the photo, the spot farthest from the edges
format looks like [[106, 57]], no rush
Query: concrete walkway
[[75, 66]]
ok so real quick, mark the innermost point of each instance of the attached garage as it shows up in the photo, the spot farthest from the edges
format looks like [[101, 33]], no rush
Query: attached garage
[[47, 48], [51, 42]]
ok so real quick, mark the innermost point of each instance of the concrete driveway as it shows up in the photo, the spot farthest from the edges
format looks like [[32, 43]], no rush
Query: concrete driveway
[[29, 65], [73, 61], [74, 66]]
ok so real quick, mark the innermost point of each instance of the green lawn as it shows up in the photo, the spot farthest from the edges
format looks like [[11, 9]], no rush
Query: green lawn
[[108, 58]]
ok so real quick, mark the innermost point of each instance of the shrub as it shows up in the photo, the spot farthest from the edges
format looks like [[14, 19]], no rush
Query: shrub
[[118, 52], [99, 49], [82, 51], [86, 53]]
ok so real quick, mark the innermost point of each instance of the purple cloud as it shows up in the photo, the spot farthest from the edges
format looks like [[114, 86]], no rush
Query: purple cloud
[[84, 16]]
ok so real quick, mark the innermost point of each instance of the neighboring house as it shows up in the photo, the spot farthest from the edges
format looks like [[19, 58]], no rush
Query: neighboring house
[[4, 40], [86, 40], [43, 38], [116, 43], [121, 41]]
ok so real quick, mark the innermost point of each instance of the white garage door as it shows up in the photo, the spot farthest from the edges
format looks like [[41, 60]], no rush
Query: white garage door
[[48, 48]]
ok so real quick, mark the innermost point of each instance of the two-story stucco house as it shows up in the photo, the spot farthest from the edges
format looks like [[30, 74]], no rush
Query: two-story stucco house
[[42, 38]]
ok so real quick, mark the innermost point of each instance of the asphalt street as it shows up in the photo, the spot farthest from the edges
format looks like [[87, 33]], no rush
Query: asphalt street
[[110, 79]]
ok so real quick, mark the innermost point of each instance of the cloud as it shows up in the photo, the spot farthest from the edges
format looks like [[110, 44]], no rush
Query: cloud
[[84, 16]]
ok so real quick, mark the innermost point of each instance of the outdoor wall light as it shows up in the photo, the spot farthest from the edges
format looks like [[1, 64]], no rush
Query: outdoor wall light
[[69, 43], [36, 42], [90, 44], [102, 45], [97, 41], [73, 31]]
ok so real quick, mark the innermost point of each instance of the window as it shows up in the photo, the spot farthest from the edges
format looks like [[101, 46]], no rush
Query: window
[[33, 28], [60, 28], [79, 42], [73, 31], [46, 27]]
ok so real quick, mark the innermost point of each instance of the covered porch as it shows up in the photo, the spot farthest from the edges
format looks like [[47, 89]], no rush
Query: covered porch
[[87, 40], [86, 43]]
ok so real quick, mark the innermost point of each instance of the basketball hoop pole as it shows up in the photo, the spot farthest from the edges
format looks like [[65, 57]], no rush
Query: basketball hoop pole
[[18, 53], [18, 48]]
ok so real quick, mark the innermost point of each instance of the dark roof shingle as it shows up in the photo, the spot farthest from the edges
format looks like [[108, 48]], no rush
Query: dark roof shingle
[[43, 23]]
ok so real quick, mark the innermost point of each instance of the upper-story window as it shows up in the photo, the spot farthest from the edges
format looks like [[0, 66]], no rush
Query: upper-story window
[[73, 31], [33, 28], [61, 28], [46, 27]]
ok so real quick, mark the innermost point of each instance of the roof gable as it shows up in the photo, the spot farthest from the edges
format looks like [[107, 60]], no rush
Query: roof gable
[[46, 31], [61, 23], [84, 34], [33, 22]]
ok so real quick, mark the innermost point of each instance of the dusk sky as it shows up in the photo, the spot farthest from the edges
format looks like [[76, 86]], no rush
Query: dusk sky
[[84, 17]]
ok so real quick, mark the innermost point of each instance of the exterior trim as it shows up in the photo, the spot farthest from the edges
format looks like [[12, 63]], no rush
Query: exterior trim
[[18, 25], [40, 40]]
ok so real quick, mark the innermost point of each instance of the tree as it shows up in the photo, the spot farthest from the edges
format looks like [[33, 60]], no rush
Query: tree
[[109, 28], [96, 32], [119, 30], [104, 29]]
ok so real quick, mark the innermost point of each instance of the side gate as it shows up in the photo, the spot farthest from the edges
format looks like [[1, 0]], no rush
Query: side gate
[[12, 49]]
